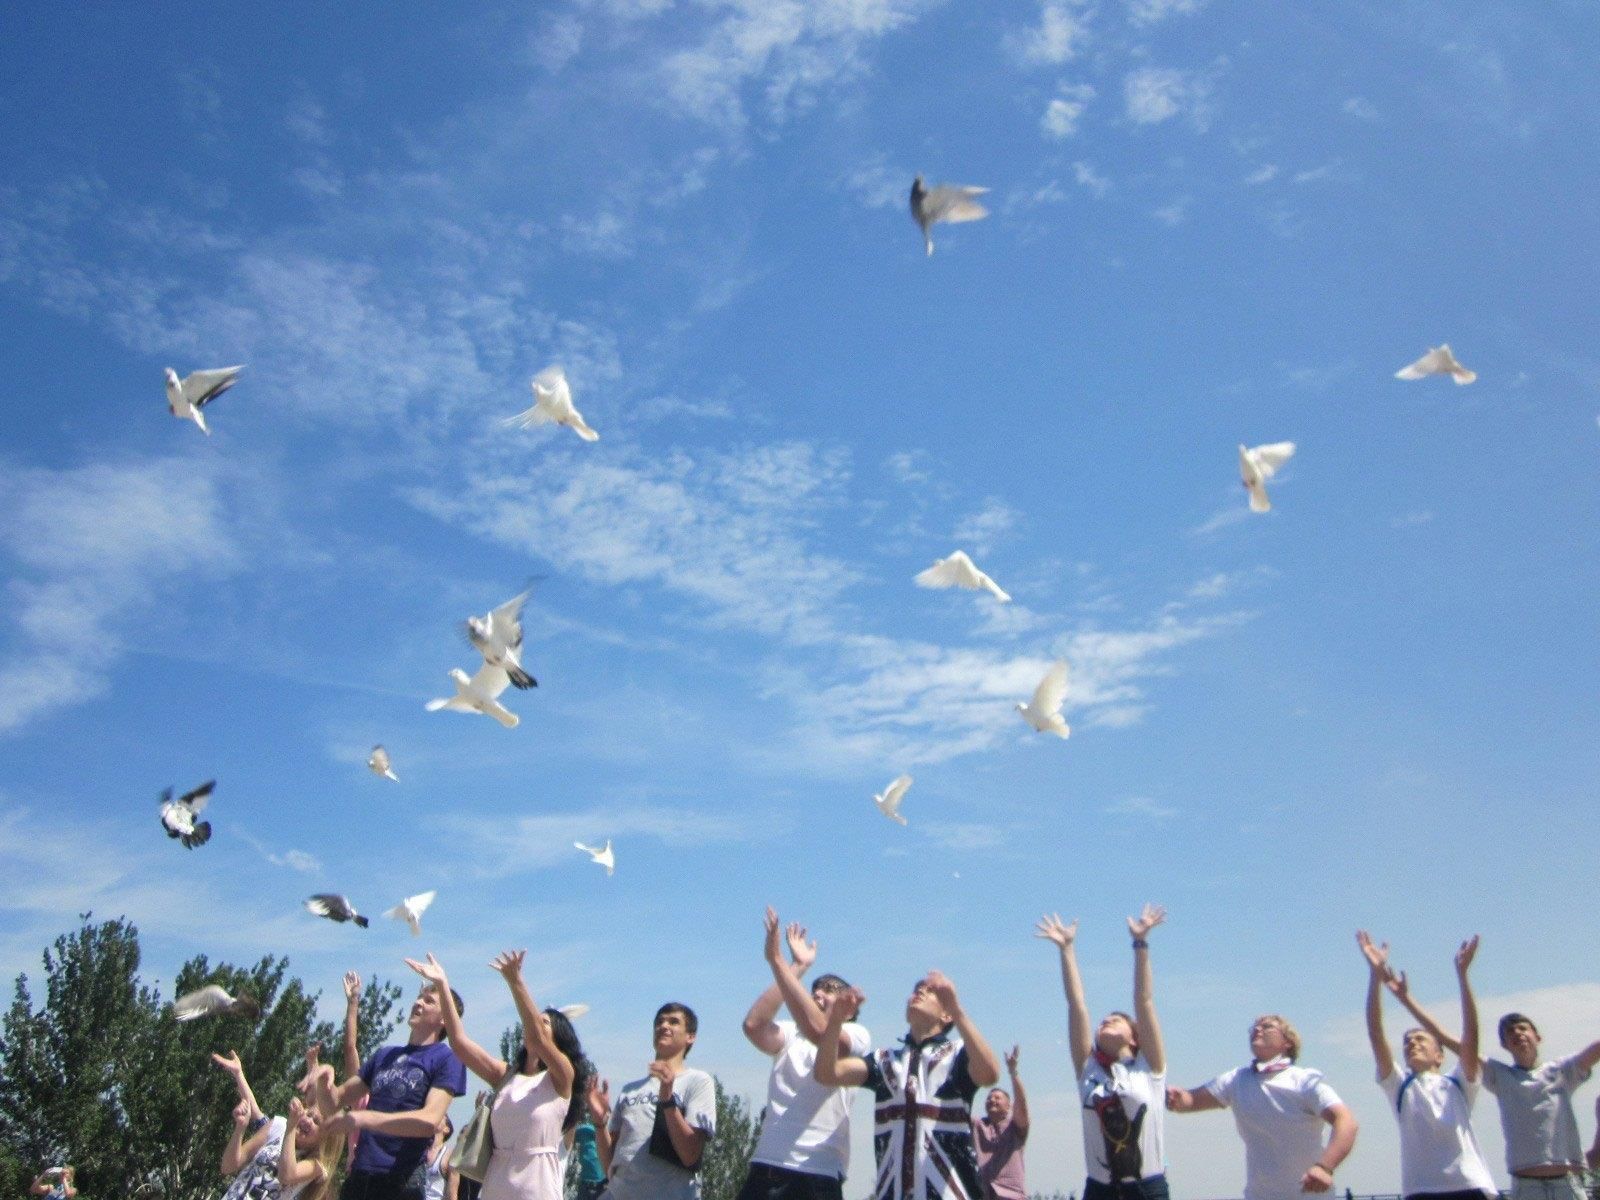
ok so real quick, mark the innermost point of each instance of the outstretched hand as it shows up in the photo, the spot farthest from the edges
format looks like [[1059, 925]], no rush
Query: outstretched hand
[[1053, 929], [352, 987], [1395, 981], [229, 1062], [944, 990], [599, 1100], [803, 952], [509, 964], [847, 1004], [241, 1113], [772, 947], [1465, 955], [1147, 920], [432, 971], [1377, 955], [1011, 1060]]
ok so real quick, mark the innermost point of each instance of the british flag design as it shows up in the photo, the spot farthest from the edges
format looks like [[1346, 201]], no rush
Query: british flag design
[[923, 1114]]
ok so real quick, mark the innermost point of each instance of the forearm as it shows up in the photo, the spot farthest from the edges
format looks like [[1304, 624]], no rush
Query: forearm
[[1144, 1009], [352, 1048], [686, 1140], [1019, 1102], [1079, 1037], [982, 1063], [233, 1153], [808, 1018], [762, 1014], [1468, 1052], [1382, 1057], [602, 1144], [1341, 1143], [414, 1124]]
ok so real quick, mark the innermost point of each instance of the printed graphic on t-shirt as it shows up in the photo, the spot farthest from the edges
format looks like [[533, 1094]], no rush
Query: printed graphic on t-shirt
[[1124, 1159]]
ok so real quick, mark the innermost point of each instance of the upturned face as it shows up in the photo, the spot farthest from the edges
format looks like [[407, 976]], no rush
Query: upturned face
[[427, 1016], [1267, 1040], [1421, 1051], [924, 1002], [1522, 1040], [997, 1106], [1115, 1035], [671, 1035]]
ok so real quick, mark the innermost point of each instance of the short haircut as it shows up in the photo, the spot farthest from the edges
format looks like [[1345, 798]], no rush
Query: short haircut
[[691, 1023], [1515, 1018], [461, 1005], [829, 983], [1290, 1033]]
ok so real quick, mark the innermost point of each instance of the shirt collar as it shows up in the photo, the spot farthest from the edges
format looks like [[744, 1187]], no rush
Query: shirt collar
[[1273, 1066]]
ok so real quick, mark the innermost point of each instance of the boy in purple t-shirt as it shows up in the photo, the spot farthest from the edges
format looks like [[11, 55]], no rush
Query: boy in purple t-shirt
[[408, 1088]]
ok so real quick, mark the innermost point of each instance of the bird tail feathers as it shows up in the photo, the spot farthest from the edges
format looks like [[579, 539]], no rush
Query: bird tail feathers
[[520, 678], [362, 921]]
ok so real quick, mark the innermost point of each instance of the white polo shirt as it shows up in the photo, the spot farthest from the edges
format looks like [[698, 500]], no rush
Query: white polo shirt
[[1438, 1150], [1278, 1112], [806, 1125]]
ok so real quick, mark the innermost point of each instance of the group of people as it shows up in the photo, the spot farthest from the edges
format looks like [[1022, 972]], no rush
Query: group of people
[[548, 1102]]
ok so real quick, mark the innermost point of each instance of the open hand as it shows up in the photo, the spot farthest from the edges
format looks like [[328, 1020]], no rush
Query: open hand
[[1465, 955], [229, 1062], [1053, 929], [352, 987], [1011, 1060], [432, 971], [1377, 956], [944, 991], [1147, 920], [803, 953], [509, 964], [599, 1100]]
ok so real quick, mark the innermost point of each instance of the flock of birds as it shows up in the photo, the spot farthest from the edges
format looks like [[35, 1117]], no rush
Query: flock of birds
[[498, 635]]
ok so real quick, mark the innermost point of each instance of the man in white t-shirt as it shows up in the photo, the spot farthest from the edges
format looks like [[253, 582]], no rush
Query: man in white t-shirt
[[1279, 1109], [1439, 1155], [803, 1152], [1544, 1155]]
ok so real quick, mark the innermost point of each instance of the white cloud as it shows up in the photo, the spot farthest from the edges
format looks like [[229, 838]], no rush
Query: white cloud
[[1330, 170], [1156, 94], [1174, 214], [1230, 514], [96, 545], [1265, 173], [1062, 114], [905, 466], [986, 526], [1056, 39], [1148, 12], [878, 185], [1361, 109], [1412, 520], [1087, 177], [1141, 807], [307, 120], [296, 860], [556, 41]]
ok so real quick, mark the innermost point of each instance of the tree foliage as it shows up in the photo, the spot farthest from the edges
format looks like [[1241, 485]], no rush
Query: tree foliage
[[727, 1158], [101, 1075]]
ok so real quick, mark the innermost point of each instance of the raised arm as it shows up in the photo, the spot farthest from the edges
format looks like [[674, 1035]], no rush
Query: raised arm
[[833, 1068], [982, 1064], [1471, 1064], [1144, 997], [1079, 1036], [760, 1024], [479, 1061], [230, 1063], [536, 1038], [352, 1024], [1377, 968], [1019, 1096], [240, 1150], [1395, 981]]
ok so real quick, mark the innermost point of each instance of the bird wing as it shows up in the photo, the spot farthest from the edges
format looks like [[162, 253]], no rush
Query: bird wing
[[990, 586], [1426, 365], [953, 203], [201, 1003], [1052, 690], [328, 904], [505, 622], [419, 904], [202, 387], [502, 714], [550, 385], [896, 792], [196, 800], [490, 681], [955, 571], [579, 426], [379, 759], [1270, 457]]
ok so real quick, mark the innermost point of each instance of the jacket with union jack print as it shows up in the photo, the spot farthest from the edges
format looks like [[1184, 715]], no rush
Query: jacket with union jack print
[[923, 1114]]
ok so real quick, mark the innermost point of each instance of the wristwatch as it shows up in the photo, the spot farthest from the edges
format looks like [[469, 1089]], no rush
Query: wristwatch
[[670, 1102]]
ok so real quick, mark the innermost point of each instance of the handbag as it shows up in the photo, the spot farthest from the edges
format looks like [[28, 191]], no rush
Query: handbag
[[475, 1146]]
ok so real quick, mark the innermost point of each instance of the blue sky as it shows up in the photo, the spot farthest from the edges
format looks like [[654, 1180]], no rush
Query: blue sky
[[1212, 223]]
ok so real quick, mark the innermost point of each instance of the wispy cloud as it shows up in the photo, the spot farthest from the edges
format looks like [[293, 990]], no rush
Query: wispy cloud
[[1087, 177], [1412, 520], [1149, 12], [1156, 94], [1359, 108], [990, 523], [1062, 114], [1058, 37], [94, 545], [1265, 173], [1141, 808], [1173, 214]]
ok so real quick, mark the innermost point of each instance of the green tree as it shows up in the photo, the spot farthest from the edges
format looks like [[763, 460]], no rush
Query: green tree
[[102, 1076], [727, 1158]]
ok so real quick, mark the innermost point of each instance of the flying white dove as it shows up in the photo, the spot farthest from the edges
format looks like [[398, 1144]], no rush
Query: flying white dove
[[186, 397], [410, 911], [552, 404], [1043, 712], [959, 571], [572, 1011], [1260, 464], [951, 202], [602, 857], [378, 764], [888, 801], [213, 1000], [178, 816], [336, 908], [480, 694], [498, 637], [1438, 361]]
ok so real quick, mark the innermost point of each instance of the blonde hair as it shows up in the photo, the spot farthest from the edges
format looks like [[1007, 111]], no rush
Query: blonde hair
[[1290, 1033], [329, 1151]]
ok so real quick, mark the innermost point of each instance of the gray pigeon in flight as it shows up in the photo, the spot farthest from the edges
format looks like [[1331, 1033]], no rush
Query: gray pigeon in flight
[[178, 816], [498, 637], [187, 396], [951, 202], [336, 908]]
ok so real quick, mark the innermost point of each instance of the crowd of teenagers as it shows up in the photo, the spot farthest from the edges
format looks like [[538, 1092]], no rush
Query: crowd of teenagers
[[647, 1142]]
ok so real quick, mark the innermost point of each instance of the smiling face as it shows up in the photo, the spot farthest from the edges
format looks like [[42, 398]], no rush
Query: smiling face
[[427, 1018], [1421, 1051], [305, 1133], [671, 1035], [996, 1106]]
